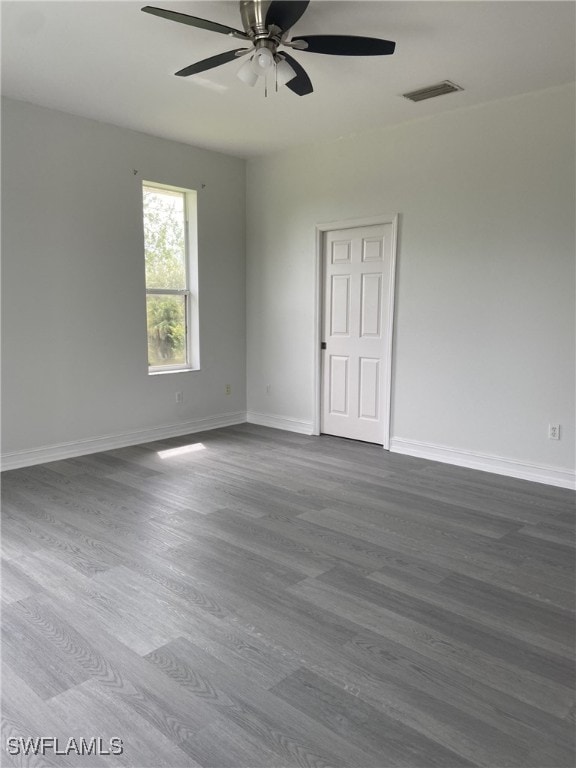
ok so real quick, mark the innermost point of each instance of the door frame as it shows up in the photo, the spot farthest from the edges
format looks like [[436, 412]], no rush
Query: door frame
[[386, 392]]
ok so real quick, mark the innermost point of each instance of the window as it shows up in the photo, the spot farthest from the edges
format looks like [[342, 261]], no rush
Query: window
[[171, 278]]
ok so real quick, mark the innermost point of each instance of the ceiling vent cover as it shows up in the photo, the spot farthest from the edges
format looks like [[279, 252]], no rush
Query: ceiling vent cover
[[432, 91]]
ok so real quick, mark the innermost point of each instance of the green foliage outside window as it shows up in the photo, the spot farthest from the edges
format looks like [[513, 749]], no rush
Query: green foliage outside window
[[166, 317]]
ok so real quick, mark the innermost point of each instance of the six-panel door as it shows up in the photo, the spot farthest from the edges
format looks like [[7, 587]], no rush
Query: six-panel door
[[356, 311]]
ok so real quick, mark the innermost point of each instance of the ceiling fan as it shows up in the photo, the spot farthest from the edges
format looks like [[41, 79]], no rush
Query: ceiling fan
[[267, 27]]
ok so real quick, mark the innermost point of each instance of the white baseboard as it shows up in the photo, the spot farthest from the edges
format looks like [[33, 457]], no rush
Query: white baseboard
[[28, 458], [538, 473], [280, 422], [563, 478]]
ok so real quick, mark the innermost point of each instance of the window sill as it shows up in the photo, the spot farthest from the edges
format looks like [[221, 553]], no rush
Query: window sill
[[172, 370]]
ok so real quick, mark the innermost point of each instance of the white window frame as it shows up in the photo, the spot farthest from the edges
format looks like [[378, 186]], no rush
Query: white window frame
[[190, 293]]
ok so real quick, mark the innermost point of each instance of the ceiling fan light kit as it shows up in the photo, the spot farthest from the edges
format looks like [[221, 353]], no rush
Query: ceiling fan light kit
[[246, 73], [267, 26], [284, 72], [250, 72], [263, 60]]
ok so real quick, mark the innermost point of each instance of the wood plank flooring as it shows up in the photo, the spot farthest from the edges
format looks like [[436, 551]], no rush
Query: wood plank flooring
[[250, 598]]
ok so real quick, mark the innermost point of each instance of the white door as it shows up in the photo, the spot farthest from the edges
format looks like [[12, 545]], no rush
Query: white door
[[357, 317]]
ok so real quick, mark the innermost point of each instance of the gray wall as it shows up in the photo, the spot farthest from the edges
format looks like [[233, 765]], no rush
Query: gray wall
[[74, 322], [484, 345], [484, 326]]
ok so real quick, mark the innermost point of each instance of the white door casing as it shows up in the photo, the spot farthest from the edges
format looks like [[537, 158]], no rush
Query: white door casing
[[357, 297]]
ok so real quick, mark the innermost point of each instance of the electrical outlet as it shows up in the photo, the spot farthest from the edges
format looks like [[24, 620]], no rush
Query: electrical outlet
[[554, 431], [179, 397], [228, 389]]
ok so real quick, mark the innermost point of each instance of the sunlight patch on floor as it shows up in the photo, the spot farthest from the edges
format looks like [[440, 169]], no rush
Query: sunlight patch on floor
[[181, 450]]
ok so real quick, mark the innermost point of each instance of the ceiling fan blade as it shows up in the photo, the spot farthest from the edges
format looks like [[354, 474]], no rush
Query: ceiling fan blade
[[300, 84], [285, 13], [346, 45], [213, 61], [194, 21]]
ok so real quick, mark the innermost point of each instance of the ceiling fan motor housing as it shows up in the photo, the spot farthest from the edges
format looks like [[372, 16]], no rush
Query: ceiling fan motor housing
[[253, 14]]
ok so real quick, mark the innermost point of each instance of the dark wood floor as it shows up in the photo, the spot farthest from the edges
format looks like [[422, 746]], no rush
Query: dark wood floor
[[260, 598]]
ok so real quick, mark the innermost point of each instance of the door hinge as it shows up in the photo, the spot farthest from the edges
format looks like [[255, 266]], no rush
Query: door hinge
[[323, 345]]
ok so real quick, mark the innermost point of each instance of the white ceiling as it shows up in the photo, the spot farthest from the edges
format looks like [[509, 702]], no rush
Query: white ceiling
[[111, 62]]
